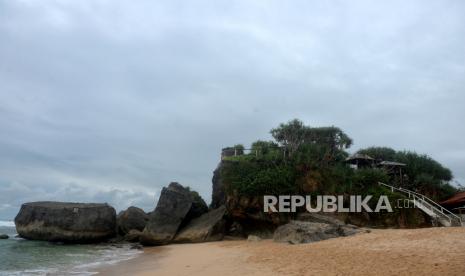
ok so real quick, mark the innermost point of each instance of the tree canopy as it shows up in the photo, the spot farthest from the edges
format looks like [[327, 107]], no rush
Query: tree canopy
[[306, 159], [294, 134]]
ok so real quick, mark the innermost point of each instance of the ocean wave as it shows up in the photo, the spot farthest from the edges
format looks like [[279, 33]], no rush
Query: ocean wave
[[6, 223], [108, 256], [39, 258], [27, 272]]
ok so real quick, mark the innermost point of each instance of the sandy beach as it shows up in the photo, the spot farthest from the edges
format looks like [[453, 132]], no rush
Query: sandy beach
[[431, 251]]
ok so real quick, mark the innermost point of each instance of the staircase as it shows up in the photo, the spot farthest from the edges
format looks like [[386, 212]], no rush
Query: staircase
[[439, 214]]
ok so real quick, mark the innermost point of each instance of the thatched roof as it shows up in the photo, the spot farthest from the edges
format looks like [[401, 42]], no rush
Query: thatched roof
[[392, 163], [359, 156]]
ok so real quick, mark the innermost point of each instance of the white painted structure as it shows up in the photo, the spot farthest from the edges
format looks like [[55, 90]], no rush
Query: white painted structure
[[439, 214]]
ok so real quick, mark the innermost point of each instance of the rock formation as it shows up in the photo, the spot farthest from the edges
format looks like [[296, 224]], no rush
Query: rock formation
[[198, 208], [176, 206], [208, 227], [66, 222], [297, 232], [218, 193], [243, 210], [131, 219], [133, 236]]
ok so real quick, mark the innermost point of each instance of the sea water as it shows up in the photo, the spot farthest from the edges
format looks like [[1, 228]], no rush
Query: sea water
[[23, 257]]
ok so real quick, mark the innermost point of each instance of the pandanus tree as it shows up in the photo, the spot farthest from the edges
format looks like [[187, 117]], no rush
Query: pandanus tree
[[294, 134]]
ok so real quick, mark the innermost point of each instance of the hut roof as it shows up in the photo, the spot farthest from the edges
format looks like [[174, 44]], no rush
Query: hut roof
[[457, 200], [359, 157], [392, 163]]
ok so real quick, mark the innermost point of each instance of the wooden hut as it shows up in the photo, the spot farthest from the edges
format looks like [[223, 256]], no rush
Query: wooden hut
[[358, 161]]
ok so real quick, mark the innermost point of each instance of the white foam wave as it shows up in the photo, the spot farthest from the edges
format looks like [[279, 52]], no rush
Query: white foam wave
[[78, 263], [5, 223], [108, 256]]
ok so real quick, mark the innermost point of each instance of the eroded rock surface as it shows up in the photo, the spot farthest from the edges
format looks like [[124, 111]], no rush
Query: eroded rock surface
[[297, 232], [208, 227], [66, 222]]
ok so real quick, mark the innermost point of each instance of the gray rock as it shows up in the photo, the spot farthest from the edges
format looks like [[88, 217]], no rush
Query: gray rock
[[253, 238], [66, 222], [297, 232], [133, 236], [131, 219], [116, 240], [236, 230], [349, 230], [316, 217], [218, 189], [198, 208], [137, 247], [208, 227], [4, 237], [173, 206]]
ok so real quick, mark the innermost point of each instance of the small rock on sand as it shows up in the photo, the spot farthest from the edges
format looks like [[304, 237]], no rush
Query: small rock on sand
[[253, 238]]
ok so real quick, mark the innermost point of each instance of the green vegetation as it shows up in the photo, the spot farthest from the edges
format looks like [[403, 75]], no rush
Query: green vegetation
[[422, 173], [309, 160], [258, 178]]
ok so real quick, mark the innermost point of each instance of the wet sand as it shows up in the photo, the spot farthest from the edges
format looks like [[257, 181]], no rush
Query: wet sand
[[431, 251]]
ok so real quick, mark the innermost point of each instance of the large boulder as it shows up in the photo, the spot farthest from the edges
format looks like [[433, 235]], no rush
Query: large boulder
[[132, 218], [208, 227], [320, 217], [297, 232], [198, 207], [66, 222], [176, 206]]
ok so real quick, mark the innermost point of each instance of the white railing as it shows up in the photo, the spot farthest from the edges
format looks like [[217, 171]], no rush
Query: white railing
[[427, 202], [230, 152]]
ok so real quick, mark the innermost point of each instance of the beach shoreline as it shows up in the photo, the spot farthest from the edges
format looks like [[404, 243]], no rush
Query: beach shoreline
[[432, 251], [212, 258]]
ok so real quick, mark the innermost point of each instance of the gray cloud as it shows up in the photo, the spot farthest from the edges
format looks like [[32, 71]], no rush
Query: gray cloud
[[111, 100]]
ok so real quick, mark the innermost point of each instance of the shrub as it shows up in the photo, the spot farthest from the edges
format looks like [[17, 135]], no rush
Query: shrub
[[259, 178]]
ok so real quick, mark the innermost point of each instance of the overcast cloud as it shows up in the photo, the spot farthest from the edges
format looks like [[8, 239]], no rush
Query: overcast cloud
[[108, 101]]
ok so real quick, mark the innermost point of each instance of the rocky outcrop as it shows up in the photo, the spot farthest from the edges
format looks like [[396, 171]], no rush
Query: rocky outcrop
[[218, 189], [175, 208], [133, 236], [297, 232], [131, 219], [247, 210], [198, 208], [4, 237], [236, 230], [66, 222], [321, 218], [208, 227]]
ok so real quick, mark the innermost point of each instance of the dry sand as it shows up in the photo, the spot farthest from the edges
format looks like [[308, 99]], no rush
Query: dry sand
[[432, 251]]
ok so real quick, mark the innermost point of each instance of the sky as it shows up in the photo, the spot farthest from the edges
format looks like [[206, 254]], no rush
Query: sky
[[109, 101]]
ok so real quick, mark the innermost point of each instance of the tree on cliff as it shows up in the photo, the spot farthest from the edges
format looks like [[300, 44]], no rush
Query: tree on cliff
[[314, 161], [423, 173], [294, 134], [290, 135]]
